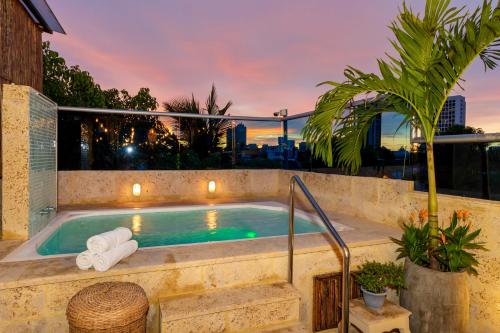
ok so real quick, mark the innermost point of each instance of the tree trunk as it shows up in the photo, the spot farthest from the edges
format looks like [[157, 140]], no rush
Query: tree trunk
[[432, 204]]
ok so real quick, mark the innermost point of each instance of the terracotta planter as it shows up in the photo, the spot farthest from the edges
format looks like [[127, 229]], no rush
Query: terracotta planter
[[439, 301]]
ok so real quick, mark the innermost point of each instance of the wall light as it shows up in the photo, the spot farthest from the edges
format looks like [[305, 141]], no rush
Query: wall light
[[136, 190], [211, 186]]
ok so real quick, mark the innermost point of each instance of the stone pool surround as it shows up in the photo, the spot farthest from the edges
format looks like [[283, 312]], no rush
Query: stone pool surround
[[384, 201], [34, 294], [381, 200]]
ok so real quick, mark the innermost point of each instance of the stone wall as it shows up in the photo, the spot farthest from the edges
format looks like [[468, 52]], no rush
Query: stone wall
[[114, 187], [39, 305], [391, 201], [385, 201]]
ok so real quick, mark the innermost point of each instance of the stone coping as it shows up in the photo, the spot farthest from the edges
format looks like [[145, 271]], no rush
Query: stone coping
[[47, 271]]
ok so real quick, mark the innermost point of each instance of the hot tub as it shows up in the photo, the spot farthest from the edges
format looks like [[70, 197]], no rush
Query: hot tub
[[167, 226]]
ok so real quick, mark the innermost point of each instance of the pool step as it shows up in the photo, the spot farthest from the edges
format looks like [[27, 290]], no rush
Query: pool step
[[243, 309], [294, 328]]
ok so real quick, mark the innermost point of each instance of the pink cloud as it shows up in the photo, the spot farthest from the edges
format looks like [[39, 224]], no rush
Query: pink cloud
[[263, 55]]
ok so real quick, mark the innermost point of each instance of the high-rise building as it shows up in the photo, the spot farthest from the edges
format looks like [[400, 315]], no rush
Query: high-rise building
[[374, 135], [453, 113], [290, 143], [387, 131], [240, 135]]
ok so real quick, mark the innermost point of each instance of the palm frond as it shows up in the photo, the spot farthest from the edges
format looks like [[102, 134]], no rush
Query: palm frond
[[433, 53]]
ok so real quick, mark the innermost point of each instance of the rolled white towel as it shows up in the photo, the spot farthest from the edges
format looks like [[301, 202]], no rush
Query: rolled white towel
[[108, 240], [104, 261], [84, 260]]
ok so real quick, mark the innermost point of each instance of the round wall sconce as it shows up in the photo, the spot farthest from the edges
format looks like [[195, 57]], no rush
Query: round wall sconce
[[136, 190], [211, 186]]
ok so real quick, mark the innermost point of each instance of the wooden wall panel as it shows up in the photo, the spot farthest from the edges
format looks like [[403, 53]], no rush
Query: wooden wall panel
[[20, 49], [20, 46], [327, 298]]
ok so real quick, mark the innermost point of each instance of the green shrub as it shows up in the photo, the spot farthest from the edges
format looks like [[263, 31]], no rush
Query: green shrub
[[456, 244], [414, 244], [376, 277]]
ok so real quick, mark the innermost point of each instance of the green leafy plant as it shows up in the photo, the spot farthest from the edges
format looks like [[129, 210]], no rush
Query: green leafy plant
[[456, 249], [414, 243], [456, 246], [432, 52], [376, 277]]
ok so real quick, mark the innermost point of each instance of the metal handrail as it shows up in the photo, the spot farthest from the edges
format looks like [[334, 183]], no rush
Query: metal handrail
[[165, 114], [340, 242]]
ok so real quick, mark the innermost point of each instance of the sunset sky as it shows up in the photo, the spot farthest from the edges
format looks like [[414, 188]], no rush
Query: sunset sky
[[264, 55]]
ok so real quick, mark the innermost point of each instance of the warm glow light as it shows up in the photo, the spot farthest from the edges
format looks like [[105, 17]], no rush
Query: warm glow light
[[136, 224], [136, 190], [211, 219], [211, 186]]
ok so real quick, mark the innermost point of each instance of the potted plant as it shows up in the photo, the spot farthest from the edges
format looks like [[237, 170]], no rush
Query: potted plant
[[456, 256], [432, 52], [375, 278]]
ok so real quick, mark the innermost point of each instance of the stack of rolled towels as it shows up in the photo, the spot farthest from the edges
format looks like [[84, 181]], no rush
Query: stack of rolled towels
[[107, 249]]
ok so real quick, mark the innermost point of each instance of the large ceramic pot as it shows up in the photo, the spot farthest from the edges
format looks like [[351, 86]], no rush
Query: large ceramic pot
[[439, 301]]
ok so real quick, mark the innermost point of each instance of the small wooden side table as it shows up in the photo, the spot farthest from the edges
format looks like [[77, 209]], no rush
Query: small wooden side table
[[389, 317]]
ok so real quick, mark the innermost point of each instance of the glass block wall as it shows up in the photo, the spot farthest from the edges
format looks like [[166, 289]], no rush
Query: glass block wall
[[42, 161]]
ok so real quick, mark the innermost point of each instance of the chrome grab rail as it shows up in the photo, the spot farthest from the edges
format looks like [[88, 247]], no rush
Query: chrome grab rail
[[340, 242]]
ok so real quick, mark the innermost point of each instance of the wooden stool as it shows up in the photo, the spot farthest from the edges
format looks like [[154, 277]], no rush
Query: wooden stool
[[389, 317]]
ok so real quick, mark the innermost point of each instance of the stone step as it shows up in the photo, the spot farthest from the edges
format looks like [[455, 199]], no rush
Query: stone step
[[294, 328], [242, 309]]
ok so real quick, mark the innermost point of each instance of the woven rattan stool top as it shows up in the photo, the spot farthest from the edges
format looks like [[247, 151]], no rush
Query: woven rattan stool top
[[107, 305]]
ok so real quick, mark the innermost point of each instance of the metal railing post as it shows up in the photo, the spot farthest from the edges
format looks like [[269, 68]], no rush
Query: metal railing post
[[291, 229], [333, 232]]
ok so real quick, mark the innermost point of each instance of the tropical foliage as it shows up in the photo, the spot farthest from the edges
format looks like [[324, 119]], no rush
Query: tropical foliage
[[376, 277], [433, 51], [105, 137], [457, 245], [202, 136], [414, 244]]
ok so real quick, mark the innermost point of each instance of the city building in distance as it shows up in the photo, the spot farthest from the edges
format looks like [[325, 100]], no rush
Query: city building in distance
[[453, 113], [240, 134]]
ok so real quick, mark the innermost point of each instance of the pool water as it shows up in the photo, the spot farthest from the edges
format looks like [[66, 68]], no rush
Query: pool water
[[176, 227]]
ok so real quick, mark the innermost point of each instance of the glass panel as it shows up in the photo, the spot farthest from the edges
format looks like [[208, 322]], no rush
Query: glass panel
[[465, 169], [256, 144], [126, 142]]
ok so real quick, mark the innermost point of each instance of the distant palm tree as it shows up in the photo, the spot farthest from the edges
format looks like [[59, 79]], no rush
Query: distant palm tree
[[434, 52], [201, 135]]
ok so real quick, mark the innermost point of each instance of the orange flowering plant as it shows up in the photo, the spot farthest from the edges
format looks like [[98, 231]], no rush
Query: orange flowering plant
[[457, 245]]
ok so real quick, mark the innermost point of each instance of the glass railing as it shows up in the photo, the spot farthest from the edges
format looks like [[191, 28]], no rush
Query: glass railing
[[116, 141], [464, 169], [113, 141]]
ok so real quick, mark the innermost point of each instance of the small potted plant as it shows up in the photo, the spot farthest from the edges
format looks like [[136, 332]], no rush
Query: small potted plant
[[375, 277]]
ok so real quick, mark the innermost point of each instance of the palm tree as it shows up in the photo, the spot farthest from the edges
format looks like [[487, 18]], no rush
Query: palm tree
[[202, 135], [434, 52]]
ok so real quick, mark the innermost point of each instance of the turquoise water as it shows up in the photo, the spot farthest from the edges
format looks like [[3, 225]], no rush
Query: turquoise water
[[179, 227]]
